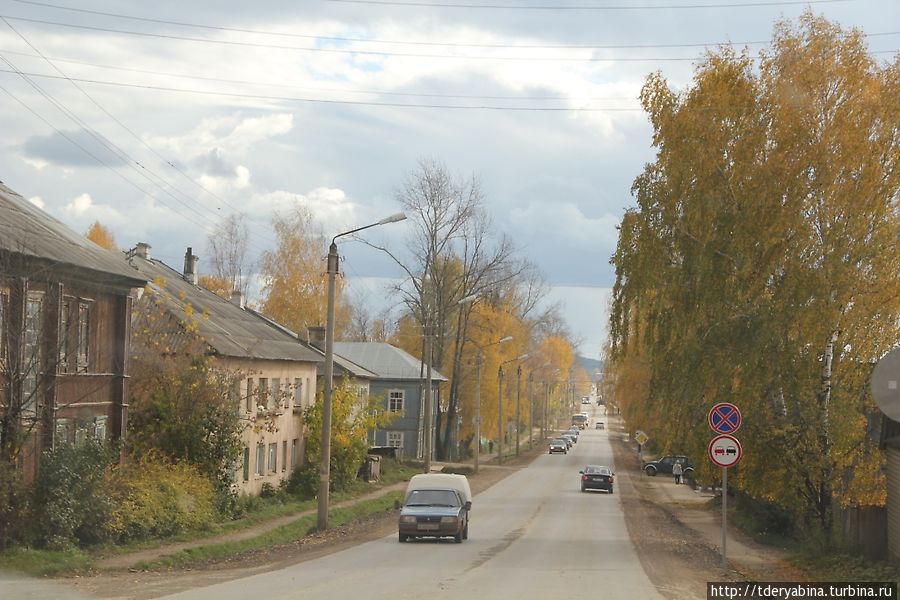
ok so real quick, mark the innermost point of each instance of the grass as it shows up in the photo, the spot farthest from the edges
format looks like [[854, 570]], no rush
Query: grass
[[843, 566], [260, 510], [277, 537]]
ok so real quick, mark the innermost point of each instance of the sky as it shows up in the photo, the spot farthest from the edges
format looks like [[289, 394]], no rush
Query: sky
[[158, 119]]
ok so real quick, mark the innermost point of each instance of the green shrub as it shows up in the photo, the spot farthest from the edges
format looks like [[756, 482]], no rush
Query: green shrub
[[304, 481], [13, 505], [156, 499], [71, 495]]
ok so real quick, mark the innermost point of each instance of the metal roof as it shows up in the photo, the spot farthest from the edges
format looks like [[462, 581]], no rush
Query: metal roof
[[389, 362], [31, 234], [227, 328]]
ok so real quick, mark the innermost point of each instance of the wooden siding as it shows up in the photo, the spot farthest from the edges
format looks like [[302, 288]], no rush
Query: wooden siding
[[893, 503]]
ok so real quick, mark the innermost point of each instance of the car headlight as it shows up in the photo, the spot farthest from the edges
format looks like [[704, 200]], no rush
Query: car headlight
[[452, 520], [408, 520]]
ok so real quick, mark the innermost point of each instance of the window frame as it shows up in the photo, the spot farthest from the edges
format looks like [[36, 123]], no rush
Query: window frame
[[391, 398]]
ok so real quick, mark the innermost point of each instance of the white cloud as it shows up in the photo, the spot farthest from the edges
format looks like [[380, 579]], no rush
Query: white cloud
[[79, 205], [37, 201], [566, 222]]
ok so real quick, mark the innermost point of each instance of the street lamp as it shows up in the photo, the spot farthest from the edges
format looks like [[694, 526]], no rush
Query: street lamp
[[325, 463], [479, 363], [500, 405]]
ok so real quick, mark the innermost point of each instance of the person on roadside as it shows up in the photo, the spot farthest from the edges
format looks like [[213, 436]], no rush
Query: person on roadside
[[677, 471]]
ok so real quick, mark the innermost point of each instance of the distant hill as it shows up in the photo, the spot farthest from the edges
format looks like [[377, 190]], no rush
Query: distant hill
[[591, 365]]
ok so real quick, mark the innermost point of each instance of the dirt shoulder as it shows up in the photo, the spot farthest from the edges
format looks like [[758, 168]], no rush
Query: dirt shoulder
[[677, 533]]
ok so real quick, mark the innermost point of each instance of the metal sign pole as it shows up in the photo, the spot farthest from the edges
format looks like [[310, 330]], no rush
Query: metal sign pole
[[724, 512]]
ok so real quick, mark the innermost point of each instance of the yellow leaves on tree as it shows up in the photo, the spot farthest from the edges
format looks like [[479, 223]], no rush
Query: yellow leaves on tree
[[101, 236]]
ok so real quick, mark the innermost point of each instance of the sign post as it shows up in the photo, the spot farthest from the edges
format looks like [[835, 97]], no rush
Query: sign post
[[725, 451], [641, 438]]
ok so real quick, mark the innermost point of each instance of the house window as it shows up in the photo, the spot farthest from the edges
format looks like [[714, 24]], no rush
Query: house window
[[362, 392], [32, 351], [260, 459], [250, 407], [262, 391], [100, 428], [63, 435], [295, 448], [84, 321], [298, 392], [64, 325], [395, 439], [247, 464], [275, 400], [395, 401], [284, 456], [273, 457]]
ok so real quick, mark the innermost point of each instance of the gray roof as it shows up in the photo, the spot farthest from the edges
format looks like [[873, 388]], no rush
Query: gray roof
[[34, 236], [389, 362], [227, 328], [341, 364]]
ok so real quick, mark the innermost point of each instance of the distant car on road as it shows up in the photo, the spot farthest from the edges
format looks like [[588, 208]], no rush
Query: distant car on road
[[585, 400], [600, 425], [569, 439], [597, 477], [664, 465], [559, 445]]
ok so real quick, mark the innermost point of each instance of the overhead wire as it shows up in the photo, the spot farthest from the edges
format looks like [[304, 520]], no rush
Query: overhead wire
[[596, 7], [148, 174]]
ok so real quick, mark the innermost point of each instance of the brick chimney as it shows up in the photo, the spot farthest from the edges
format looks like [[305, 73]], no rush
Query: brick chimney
[[317, 336], [142, 250], [190, 266]]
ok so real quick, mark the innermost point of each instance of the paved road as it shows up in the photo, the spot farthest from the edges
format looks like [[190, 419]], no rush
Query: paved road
[[534, 535]]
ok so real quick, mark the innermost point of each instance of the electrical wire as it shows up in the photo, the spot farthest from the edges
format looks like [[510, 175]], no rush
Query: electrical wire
[[588, 7]]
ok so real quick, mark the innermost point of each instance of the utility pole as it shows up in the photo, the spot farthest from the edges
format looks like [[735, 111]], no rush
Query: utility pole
[[500, 415], [479, 362], [531, 411], [426, 466], [518, 398]]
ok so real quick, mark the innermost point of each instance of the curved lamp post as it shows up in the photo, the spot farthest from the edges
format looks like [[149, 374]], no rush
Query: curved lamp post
[[325, 463], [500, 406]]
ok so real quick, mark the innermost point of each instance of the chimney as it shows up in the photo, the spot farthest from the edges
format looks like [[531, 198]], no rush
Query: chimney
[[317, 336], [142, 250], [237, 298], [190, 266]]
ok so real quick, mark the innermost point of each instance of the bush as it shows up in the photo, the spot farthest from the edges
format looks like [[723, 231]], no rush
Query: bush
[[155, 499], [13, 505], [71, 495], [304, 481]]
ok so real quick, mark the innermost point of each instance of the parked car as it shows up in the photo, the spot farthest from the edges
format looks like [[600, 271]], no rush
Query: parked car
[[664, 465], [559, 445], [597, 477], [436, 505]]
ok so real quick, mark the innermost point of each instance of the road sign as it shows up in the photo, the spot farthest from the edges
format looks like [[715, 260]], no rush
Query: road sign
[[725, 450], [724, 418], [640, 437]]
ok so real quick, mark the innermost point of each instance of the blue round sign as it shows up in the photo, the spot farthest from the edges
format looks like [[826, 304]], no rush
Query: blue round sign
[[725, 418]]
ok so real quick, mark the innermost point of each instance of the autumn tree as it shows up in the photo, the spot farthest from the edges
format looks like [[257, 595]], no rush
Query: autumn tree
[[101, 236], [760, 264], [451, 253], [295, 284], [227, 246]]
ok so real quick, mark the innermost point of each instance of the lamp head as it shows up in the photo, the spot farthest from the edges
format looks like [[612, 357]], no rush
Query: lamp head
[[393, 218]]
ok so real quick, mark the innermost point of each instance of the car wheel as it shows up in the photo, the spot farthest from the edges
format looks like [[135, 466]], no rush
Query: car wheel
[[650, 470], [610, 489], [458, 538], [402, 538]]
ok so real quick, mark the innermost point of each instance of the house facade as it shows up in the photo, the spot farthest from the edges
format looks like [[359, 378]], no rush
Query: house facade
[[276, 371], [65, 325], [400, 382]]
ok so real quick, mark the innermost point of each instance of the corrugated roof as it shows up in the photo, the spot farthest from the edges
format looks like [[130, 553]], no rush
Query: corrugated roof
[[388, 361], [227, 328], [29, 232]]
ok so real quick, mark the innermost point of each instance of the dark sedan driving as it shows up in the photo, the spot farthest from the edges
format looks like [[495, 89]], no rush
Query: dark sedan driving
[[596, 477]]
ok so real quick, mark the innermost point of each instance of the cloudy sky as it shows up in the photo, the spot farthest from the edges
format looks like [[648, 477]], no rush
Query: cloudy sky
[[159, 118]]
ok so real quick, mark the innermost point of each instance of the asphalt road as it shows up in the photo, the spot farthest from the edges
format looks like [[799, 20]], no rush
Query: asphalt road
[[534, 535]]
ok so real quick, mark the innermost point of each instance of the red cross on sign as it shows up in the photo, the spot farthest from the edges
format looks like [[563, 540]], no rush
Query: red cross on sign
[[725, 418]]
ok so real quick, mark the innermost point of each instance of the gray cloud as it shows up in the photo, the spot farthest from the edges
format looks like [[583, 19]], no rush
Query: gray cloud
[[73, 149]]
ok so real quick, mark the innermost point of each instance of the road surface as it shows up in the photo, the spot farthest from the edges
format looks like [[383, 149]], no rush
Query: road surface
[[534, 535]]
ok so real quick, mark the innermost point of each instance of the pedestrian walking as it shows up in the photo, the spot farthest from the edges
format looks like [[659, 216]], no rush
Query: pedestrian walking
[[677, 471], [490, 446]]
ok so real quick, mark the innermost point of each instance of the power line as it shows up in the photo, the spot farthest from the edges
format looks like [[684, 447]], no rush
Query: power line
[[330, 101], [401, 42], [319, 89], [354, 52], [589, 7]]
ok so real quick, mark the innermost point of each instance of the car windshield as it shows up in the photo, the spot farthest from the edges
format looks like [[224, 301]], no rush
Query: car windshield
[[432, 498]]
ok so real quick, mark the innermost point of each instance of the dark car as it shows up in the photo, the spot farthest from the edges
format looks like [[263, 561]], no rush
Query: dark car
[[569, 438], [435, 513], [597, 477], [559, 445], [664, 465]]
